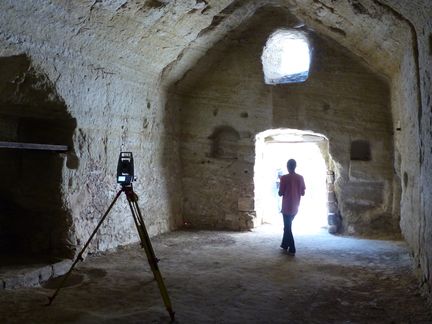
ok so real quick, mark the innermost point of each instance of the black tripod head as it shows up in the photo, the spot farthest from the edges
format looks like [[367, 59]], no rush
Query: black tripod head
[[125, 169]]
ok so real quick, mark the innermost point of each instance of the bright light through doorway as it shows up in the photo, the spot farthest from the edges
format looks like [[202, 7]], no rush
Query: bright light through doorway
[[271, 159]]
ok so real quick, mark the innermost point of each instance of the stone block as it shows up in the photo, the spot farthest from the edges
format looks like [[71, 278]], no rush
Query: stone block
[[331, 196], [28, 279], [332, 229], [245, 204], [361, 192], [60, 268], [45, 273], [231, 217], [360, 170], [333, 219], [332, 207], [11, 283], [330, 178]]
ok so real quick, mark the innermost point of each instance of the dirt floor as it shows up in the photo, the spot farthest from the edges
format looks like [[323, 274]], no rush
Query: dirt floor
[[225, 277]]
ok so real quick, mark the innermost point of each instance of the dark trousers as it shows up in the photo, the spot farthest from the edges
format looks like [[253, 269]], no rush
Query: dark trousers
[[288, 239]]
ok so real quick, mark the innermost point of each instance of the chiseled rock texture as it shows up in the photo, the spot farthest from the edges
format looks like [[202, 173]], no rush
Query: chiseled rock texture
[[342, 99], [113, 74]]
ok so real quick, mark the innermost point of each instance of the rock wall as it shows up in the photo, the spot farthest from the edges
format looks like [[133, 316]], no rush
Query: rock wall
[[32, 216], [398, 46], [111, 62], [416, 157], [111, 90], [348, 103], [416, 160], [342, 99]]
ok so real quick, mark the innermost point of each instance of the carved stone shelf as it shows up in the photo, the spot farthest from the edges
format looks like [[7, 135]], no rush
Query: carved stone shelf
[[34, 146]]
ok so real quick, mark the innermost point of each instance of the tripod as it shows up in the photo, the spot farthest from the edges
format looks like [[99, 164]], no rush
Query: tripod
[[132, 199]]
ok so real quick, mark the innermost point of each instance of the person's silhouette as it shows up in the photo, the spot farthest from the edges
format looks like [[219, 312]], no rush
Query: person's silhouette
[[291, 188]]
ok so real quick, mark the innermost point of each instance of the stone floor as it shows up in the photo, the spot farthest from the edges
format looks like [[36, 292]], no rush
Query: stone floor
[[226, 277]]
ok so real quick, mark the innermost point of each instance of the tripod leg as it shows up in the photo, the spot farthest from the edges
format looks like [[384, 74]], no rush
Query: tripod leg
[[151, 257], [79, 256]]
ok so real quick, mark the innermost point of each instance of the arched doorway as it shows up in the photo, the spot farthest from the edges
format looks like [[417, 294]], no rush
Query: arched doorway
[[273, 149]]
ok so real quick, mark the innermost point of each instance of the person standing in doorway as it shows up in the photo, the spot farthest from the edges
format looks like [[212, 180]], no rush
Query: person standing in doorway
[[291, 188]]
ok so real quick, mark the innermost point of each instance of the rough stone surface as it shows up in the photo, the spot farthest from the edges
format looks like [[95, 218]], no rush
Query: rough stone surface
[[217, 277], [245, 204], [33, 217], [342, 100], [31, 274], [111, 63], [60, 268]]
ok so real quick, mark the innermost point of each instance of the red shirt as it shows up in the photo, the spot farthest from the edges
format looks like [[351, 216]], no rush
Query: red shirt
[[292, 187]]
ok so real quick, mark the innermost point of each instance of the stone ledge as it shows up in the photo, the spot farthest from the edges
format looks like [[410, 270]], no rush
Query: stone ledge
[[32, 276]]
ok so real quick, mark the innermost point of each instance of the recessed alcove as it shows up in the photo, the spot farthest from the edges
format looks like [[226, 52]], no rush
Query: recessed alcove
[[360, 150], [34, 122], [224, 140]]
